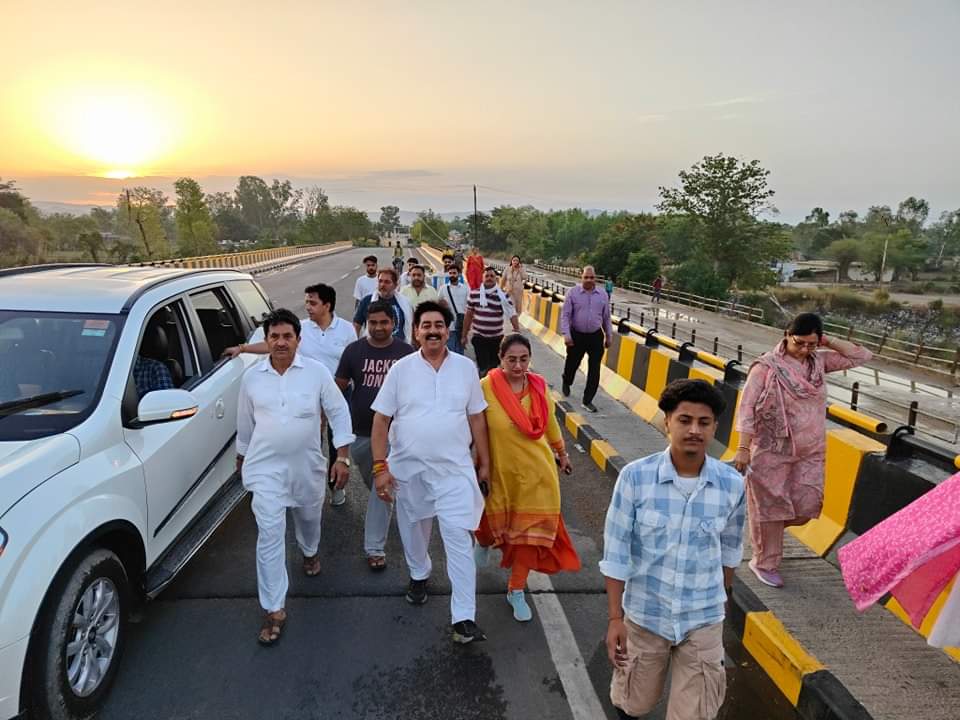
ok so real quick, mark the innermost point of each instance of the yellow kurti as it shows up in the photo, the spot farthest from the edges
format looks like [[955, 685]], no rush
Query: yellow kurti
[[523, 506]]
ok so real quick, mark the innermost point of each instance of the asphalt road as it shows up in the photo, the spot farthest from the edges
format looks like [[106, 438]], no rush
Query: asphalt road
[[353, 648]]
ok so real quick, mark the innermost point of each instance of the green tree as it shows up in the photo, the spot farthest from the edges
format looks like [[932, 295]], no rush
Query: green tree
[[431, 229], [256, 204], [903, 252], [480, 233], [389, 219], [944, 236], [844, 252], [631, 234], [912, 214], [20, 243], [92, 244], [696, 276], [524, 229], [227, 216], [196, 232], [642, 266], [140, 211], [726, 196]]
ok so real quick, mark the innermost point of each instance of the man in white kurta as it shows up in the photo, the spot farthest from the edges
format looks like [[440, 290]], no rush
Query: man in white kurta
[[280, 452], [432, 402]]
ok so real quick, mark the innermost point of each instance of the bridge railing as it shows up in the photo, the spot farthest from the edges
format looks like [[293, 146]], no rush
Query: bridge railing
[[886, 345], [271, 257], [844, 399]]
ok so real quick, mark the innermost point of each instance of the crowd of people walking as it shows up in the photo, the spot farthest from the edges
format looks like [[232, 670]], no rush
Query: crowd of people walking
[[477, 446]]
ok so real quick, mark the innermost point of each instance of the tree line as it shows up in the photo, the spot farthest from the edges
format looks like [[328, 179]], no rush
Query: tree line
[[145, 224], [715, 231]]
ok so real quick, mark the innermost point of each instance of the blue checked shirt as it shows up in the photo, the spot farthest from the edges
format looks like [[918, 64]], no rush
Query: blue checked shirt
[[669, 549], [150, 374]]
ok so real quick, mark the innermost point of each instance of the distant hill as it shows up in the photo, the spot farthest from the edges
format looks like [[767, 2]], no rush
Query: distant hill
[[50, 208]]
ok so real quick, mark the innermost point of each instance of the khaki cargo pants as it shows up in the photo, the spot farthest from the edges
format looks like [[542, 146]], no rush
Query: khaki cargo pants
[[698, 682]]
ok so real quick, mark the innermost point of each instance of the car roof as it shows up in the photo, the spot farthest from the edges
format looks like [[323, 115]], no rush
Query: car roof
[[107, 289]]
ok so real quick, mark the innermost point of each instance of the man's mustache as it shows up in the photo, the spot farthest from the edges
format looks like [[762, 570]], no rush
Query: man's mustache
[[432, 336]]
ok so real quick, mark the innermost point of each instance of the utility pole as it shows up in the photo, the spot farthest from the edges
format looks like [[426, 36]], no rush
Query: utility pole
[[476, 237]]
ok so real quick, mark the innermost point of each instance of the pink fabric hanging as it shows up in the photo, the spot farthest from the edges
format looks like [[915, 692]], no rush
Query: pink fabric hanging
[[913, 554]]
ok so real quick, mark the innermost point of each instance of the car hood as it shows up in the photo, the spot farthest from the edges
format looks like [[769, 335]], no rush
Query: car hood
[[25, 465]]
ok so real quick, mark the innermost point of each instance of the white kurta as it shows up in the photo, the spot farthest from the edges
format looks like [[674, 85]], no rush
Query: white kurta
[[430, 437], [278, 429]]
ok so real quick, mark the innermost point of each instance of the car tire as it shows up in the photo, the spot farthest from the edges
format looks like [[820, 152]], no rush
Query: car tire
[[80, 637]]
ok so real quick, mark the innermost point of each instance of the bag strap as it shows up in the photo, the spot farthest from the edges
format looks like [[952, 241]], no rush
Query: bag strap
[[450, 295]]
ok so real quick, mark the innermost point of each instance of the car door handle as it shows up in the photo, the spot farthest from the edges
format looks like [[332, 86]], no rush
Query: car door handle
[[219, 409]]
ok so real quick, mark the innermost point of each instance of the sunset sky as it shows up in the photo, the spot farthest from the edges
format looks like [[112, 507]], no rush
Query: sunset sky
[[555, 104]]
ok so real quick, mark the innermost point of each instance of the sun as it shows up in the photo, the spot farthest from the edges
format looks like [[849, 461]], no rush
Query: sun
[[120, 133]]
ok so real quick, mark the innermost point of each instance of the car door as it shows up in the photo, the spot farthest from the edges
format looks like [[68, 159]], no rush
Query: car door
[[176, 459]]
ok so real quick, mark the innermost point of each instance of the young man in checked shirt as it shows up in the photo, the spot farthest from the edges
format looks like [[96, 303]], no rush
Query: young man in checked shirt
[[673, 536]]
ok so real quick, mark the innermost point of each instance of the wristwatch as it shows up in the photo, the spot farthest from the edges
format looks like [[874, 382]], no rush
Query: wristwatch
[[344, 460]]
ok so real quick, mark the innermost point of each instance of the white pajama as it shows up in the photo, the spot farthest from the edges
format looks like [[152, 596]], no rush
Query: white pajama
[[461, 567], [278, 434], [430, 458], [271, 515]]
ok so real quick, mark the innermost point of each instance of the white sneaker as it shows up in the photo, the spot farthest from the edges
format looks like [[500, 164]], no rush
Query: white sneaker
[[339, 497]]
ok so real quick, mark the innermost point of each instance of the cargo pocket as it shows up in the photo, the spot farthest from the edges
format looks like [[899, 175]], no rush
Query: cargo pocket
[[714, 681]]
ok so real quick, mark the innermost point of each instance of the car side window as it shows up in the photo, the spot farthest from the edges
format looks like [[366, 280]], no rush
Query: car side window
[[165, 357], [218, 322], [253, 303]]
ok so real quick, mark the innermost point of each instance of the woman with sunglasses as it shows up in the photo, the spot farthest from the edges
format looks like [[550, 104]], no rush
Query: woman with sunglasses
[[782, 426]]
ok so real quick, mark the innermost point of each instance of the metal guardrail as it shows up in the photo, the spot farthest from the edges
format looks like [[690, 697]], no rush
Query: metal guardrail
[[244, 258], [849, 413], [933, 358]]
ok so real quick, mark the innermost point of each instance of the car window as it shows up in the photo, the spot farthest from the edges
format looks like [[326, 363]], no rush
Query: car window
[[253, 304], [52, 370], [165, 357], [217, 320]]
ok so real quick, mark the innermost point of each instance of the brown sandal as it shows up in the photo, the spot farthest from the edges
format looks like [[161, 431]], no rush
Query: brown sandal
[[376, 562], [272, 627], [311, 565]]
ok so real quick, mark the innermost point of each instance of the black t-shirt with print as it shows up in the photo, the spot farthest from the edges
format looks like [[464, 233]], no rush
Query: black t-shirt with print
[[366, 366]]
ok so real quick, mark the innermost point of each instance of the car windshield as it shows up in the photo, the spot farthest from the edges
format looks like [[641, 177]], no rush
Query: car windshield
[[52, 369]]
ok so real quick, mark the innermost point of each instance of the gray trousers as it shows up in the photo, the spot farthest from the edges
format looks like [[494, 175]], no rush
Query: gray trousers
[[377, 521]]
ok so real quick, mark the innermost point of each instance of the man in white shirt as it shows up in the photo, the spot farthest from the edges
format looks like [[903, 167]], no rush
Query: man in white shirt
[[405, 276], [431, 405], [280, 457], [366, 284], [455, 295], [323, 337]]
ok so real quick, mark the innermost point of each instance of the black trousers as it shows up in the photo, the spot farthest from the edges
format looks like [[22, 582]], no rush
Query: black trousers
[[591, 345], [487, 350]]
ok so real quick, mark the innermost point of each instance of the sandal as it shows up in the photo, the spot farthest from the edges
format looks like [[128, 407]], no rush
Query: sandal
[[376, 563], [311, 565], [272, 628]]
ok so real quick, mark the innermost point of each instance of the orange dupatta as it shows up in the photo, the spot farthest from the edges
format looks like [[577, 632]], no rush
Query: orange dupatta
[[532, 424]]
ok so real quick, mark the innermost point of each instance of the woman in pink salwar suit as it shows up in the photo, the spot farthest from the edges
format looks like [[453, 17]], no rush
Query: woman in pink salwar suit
[[782, 426]]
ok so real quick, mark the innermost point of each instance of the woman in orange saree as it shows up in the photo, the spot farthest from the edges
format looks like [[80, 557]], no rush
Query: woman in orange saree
[[522, 510]]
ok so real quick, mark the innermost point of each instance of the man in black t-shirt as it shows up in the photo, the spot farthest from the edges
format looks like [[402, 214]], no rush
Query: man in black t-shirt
[[364, 365]]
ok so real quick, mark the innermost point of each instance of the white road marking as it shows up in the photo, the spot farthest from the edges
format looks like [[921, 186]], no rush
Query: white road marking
[[345, 275], [581, 695]]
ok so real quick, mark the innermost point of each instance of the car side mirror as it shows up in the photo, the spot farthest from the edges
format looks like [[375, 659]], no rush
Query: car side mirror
[[160, 406]]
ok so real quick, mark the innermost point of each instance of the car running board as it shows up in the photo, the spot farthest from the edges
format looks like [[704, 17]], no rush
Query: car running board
[[179, 554]]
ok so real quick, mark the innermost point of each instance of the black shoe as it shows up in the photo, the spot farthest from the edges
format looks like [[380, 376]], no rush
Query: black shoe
[[589, 406], [566, 390], [466, 631], [417, 592]]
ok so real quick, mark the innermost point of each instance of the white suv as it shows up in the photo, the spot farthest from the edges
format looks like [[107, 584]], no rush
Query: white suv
[[117, 429]]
